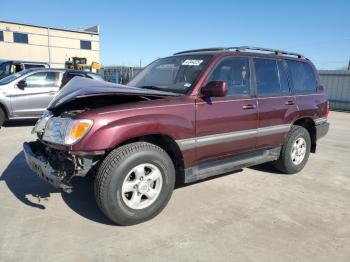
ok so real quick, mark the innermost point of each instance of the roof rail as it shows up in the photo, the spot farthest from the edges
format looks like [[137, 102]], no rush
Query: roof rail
[[242, 49], [202, 50], [275, 51]]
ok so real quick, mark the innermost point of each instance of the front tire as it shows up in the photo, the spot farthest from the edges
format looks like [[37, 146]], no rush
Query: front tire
[[134, 183], [295, 151]]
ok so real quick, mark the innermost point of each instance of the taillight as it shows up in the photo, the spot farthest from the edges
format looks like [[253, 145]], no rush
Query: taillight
[[327, 109]]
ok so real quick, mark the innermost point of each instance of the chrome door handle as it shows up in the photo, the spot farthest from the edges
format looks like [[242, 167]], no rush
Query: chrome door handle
[[52, 92], [246, 107], [290, 102]]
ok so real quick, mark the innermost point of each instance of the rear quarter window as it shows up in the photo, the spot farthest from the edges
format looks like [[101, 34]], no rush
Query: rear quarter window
[[302, 76]]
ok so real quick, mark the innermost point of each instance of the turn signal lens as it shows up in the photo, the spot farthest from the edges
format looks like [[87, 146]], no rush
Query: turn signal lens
[[77, 130]]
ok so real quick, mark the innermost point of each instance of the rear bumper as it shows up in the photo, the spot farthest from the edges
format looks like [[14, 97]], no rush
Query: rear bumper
[[322, 129], [39, 163]]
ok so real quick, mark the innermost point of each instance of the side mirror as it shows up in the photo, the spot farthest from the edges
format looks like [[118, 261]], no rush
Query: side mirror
[[215, 89], [22, 84]]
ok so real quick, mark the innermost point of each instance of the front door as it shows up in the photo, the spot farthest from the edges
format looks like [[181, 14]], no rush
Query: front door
[[275, 103], [227, 126], [33, 99]]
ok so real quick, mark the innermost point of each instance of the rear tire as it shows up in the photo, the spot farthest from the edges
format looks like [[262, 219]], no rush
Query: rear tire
[[2, 117], [134, 183], [295, 151]]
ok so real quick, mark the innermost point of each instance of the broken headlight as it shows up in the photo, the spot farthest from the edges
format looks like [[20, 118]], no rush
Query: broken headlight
[[41, 123]]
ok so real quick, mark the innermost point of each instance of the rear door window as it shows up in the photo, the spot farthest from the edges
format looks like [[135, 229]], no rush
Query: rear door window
[[266, 76], [302, 76]]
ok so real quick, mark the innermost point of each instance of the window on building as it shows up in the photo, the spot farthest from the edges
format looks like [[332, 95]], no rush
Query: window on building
[[85, 44], [1, 36], [302, 76], [20, 38], [266, 75], [235, 71], [43, 79]]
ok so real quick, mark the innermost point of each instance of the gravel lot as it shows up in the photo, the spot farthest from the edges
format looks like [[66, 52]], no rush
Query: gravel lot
[[256, 214]]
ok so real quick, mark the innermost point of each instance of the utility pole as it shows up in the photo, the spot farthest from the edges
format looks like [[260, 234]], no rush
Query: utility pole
[[140, 62], [49, 45]]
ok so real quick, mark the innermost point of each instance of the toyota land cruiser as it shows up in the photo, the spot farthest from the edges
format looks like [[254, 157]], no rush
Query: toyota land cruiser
[[186, 117]]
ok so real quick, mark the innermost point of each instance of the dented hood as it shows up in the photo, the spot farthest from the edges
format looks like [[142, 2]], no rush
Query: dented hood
[[80, 87]]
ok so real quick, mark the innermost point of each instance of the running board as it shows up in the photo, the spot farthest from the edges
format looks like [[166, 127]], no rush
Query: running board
[[217, 167]]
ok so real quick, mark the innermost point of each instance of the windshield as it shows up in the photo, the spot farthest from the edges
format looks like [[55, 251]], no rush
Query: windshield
[[13, 77], [173, 74]]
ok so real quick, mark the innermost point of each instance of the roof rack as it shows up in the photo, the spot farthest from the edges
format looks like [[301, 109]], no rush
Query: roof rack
[[275, 51], [244, 48], [202, 50]]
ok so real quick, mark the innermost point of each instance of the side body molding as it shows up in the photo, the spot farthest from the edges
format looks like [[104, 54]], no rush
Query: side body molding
[[191, 143]]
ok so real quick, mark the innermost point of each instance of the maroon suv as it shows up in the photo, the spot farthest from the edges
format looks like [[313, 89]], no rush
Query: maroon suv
[[185, 117]]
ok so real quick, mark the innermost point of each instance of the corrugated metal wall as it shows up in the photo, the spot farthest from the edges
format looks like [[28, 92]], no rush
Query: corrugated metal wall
[[337, 84]]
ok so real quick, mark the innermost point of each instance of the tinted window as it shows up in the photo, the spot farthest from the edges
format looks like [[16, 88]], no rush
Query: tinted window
[[235, 71], [85, 44], [20, 38], [302, 75], [283, 77], [43, 79], [266, 75], [1, 36]]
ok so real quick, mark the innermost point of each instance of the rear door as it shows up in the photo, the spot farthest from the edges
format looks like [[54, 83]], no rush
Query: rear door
[[227, 126], [275, 102], [31, 101]]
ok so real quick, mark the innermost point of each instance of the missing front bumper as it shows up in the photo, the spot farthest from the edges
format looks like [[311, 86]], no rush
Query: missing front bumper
[[39, 163]]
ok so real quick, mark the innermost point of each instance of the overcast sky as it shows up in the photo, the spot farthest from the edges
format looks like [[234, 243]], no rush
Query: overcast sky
[[134, 30]]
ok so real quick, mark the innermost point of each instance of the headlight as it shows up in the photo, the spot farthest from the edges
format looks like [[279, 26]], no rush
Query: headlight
[[66, 131], [41, 123]]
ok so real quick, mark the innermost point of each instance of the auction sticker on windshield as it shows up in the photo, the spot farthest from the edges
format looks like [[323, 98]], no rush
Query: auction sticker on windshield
[[191, 62]]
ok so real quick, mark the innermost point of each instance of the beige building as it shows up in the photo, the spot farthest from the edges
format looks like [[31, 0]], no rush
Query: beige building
[[46, 44]]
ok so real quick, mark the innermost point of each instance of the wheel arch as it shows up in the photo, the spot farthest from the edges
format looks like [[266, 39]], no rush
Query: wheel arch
[[169, 145], [309, 124], [3, 107]]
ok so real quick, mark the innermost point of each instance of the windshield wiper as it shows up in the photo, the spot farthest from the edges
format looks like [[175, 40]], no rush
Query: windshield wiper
[[160, 89], [152, 87]]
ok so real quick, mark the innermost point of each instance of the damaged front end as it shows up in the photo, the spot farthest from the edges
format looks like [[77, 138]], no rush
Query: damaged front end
[[65, 124], [55, 166]]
